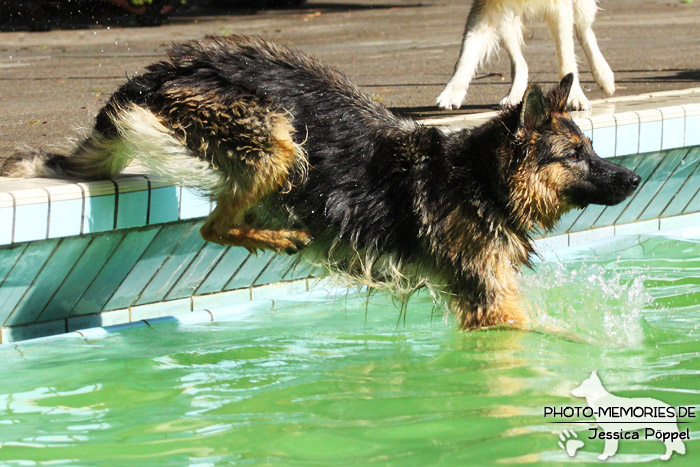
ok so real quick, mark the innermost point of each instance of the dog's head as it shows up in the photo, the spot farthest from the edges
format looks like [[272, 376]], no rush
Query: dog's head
[[589, 386], [555, 168]]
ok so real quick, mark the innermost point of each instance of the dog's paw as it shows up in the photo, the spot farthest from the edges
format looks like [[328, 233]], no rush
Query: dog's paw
[[606, 80], [297, 241], [569, 443], [578, 101], [511, 101], [452, 96]]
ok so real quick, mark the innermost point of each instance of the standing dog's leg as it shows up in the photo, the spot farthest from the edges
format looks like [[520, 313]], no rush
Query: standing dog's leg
[[479, 40], [512, 40], [561, 23], [584, 12]]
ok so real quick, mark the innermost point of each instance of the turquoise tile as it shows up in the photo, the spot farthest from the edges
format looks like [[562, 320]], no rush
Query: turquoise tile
[[673, 132], [650, 136], [694, 203], [565, 223], [31, 222], [224, 269], [175, 265], [6, 225], [637, 228], [627, 141], [651, 185], [8, 259], [65, 218], [587, 218], [275, 269], [152, 260], [647, 163], [161, 309], [99, 213], [689, 171], [604, 141], [21, 333], [133, 209], [193, 204], [198, 270], [22, 275], [675, 180], [249, 271], [119, 264], [63, 259], [299, 270], [165, 205], [81, 276], [692, 130]]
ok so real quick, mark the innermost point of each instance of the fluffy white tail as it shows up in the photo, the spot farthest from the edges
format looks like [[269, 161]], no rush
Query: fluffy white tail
[[140, 136]]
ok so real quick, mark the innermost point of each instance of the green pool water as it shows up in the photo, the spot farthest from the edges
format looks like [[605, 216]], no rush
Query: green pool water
[[339, 382]]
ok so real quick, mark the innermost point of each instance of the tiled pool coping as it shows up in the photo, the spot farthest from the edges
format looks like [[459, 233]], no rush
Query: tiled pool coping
[[80, 255]]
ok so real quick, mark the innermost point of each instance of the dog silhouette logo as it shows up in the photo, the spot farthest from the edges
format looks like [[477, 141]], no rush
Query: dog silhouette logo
[[624, 418]]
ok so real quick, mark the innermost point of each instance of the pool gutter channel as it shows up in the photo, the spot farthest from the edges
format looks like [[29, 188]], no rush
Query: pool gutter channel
[[324, 290]]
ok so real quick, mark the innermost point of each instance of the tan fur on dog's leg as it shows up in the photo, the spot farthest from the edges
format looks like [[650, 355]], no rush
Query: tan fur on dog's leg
[[226, 224]]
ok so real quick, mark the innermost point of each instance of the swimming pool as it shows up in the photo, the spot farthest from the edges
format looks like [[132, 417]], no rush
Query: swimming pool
[[339, 381]]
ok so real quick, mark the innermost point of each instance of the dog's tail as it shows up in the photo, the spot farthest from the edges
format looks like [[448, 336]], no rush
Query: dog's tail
[[136, 134], [676, 445]]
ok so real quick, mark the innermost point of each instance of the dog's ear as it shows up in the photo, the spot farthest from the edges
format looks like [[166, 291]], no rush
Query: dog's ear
[[533, 114], [559, 95]]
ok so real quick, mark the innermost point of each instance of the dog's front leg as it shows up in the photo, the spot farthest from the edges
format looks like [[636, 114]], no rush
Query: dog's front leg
[[609, 450], [490, 298], [479, 40], [561, 25], [603, 74], [511, 32]]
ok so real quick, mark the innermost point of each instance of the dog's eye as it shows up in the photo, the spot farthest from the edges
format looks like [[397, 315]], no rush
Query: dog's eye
[[574, 156]]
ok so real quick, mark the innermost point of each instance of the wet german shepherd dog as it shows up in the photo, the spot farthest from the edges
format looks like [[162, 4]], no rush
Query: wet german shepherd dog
[[297, 158]]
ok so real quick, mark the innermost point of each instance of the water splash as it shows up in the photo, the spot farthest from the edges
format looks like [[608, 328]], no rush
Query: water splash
[[587, 302]]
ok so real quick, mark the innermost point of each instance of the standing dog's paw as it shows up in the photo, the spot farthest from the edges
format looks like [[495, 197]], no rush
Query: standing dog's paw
[[509, 101], [577, 100], [606, 80], [452, 96]]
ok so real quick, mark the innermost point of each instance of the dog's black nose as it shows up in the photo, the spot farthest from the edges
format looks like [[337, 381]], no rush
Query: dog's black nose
[[634, 181]]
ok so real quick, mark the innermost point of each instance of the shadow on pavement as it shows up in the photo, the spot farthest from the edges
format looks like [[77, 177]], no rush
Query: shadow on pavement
[[42, 15]]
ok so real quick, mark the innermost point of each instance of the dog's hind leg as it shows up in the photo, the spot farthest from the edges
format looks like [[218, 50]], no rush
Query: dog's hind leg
[[226, 226], [561, 24], [480, 40], [512, 40], [267, 173], [585, 11]]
